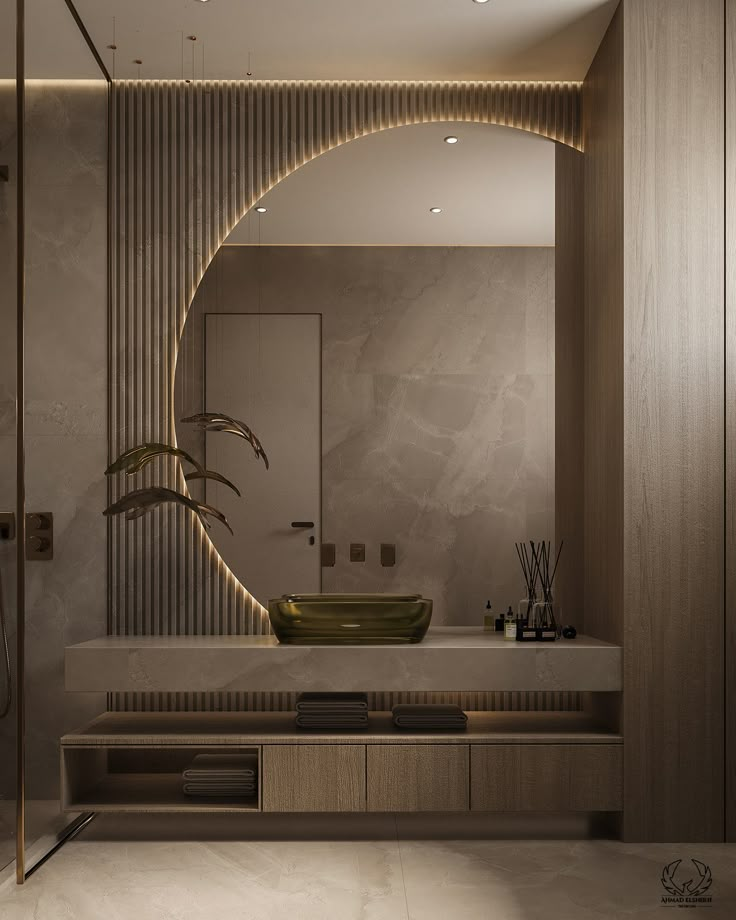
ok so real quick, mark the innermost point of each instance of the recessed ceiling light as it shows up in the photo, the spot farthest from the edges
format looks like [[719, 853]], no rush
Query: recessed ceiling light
[[480, 1], [435, 210], [451, 139], [261, 210]]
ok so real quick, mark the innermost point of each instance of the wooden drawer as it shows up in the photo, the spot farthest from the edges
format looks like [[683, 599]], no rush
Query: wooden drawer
[[313, 777], [418, 777], [546, 777]]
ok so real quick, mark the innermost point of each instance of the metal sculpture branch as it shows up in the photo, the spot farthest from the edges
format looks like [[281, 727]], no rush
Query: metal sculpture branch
[[140, 501]]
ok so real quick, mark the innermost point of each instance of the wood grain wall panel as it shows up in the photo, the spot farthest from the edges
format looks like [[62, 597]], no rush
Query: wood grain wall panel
[[188, 161], [603, 337], [730, 598], [674, 418], [569, 380], [653, 123]]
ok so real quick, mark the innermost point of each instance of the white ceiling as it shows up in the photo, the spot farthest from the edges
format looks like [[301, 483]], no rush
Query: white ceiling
[[345, 39], [496, 187]]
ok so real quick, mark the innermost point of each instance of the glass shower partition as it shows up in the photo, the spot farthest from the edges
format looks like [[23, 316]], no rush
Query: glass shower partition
[[8, 441], [53, 404]]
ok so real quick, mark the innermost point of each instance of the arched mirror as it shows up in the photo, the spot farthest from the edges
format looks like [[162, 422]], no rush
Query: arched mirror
[[383, 322]]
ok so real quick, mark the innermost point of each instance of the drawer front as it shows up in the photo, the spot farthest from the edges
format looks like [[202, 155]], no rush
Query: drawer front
[[418, 777], [313, 777], [546, 777]]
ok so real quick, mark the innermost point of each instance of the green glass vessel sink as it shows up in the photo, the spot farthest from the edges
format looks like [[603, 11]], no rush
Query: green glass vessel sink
[[350, 619]]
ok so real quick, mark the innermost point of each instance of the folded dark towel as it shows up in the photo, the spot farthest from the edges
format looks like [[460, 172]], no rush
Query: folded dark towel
[[217, 767], [217, 789], [335, 720], [427, 709], [429, 716], [332, 702]]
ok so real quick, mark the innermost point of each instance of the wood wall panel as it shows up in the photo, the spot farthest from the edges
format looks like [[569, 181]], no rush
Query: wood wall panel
[[187, 163], [569, 380], [603, 337], [730, 587], [653, 133], [673, 418]]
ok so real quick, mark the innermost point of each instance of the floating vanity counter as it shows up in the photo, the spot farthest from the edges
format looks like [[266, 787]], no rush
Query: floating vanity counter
[[505, 761], [460, 659]]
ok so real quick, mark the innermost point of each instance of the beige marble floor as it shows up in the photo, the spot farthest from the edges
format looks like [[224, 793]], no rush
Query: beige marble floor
[[106, 874]]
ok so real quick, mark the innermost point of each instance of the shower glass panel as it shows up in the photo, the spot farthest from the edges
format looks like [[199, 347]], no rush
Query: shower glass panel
[[8, 490], [65, 219]]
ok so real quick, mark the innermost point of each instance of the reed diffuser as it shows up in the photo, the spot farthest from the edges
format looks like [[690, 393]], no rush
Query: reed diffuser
[[529, 568], [537, 619]]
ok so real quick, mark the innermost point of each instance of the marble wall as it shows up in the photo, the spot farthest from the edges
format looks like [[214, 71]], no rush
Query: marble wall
[[66, 404], [438, 405]]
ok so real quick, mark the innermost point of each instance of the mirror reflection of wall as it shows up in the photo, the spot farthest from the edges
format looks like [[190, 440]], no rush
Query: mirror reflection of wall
[[437, 368]]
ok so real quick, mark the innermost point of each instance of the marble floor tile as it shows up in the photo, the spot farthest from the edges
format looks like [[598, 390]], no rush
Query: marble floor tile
[[158, 878], [522, 880], [305, 880]]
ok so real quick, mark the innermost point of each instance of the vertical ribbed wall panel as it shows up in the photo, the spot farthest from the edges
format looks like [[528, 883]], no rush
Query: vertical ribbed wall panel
[[187, 162]]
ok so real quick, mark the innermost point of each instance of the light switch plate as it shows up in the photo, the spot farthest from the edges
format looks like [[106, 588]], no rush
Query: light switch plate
[[357, 552]]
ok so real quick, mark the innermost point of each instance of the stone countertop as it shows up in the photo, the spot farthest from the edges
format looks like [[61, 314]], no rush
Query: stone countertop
[[453, 659]]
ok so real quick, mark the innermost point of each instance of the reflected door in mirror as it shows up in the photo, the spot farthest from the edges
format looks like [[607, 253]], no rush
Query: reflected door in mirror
[[266, 370]]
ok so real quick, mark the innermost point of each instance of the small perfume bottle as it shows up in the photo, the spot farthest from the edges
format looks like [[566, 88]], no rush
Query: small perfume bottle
[[509, 626]]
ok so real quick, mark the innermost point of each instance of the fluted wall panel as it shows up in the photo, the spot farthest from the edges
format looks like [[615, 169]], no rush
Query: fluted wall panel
[[187, 162]]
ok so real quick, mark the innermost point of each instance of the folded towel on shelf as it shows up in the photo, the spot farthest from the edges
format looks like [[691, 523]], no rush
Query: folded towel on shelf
[[228, 767], [332, 702], [244, 790], [328, 721], [429, 716]]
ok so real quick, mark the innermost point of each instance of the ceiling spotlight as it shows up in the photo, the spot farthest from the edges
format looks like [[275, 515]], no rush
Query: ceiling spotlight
[[451, 139], [435, 210], [261, 209], [480, 1]]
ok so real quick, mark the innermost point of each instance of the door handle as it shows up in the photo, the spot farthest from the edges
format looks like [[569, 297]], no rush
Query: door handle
[[305, 525]]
